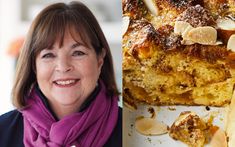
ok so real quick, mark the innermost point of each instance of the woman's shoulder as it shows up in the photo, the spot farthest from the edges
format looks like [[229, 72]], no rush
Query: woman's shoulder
[[10, 116], [10, 119], [11, 126], [115, 139]]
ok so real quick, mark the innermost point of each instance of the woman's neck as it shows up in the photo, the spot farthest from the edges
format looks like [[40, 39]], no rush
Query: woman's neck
[[64, 110]]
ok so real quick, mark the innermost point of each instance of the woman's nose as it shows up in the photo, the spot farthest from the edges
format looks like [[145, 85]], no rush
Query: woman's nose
[[64, 65]]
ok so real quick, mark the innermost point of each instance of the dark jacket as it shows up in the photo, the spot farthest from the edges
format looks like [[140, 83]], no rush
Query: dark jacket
[[11, 130]]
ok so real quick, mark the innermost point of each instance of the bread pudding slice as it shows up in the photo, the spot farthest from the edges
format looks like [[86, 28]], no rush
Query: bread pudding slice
[[165, 67]]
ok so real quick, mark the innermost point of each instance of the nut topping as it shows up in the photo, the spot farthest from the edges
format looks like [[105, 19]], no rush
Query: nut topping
[[180, 27], [150, 126], [125, 24], [152, 7], [231, 43], [203, 35]]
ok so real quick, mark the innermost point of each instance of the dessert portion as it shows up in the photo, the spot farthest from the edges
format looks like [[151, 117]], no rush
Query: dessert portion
[[194, 131], [178, 52]]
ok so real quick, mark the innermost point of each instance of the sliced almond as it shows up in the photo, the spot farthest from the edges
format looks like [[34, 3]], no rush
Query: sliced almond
[[186, 32], [224, 35], [219, 139], [152, 7], [125, 24], [226, 24], [150, 126], [226, 27], [186, 40], [181, 26], [231, 43], [203, 35]]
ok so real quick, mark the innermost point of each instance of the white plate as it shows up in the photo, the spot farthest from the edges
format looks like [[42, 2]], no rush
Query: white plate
[[131, 138]]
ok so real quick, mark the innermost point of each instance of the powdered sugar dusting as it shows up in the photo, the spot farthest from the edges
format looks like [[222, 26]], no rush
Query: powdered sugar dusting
[[197, 16]]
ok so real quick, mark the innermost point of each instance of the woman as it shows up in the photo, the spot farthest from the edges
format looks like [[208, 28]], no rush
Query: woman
[[65, 90]]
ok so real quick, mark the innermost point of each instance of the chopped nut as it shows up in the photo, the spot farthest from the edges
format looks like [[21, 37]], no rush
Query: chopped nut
[[152, 7], [203, 35], [231, 43]]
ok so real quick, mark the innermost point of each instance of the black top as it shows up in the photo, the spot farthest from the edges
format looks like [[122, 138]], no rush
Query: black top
[[11, 130]]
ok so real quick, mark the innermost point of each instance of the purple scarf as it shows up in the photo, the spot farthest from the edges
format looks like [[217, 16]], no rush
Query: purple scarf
[[89, 128]]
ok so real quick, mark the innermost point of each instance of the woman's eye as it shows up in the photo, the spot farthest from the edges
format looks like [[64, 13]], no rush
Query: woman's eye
[[48, 55], [78, 53]]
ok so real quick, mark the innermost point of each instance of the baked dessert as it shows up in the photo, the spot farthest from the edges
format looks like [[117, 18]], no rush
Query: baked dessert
[[192, 130], [178, 52]]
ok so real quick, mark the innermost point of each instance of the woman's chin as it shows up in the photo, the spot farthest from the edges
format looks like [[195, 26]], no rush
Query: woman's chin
[[65, 99]]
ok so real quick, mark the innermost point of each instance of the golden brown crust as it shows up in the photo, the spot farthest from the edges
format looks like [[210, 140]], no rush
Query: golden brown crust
[[177, 5], [216, 7], [140, 45], [158, 69], [208, 53], [167, 38], [134, 8]]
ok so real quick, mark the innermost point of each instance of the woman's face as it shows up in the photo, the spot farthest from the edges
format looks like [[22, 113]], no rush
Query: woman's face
[[69, 74]]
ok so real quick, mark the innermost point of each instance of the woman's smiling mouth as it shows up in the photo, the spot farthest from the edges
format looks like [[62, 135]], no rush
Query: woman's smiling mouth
[[66, 83]]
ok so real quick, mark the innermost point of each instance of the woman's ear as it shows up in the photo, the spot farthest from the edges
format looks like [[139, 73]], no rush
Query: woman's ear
[[101, 58]]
